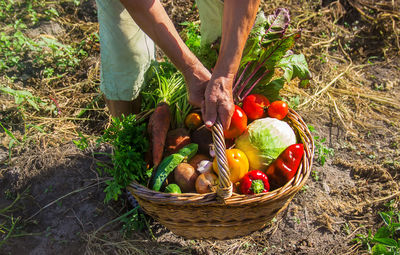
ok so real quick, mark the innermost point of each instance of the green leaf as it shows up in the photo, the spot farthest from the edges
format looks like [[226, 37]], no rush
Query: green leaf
[[11, 143], [277, 24], [265, 31], [7, 90], [382, 232], [396, 226], [275, 51], [22, 95], [252, 47], [9, 133], [38, 128], [295, 65], [380, 249], [258, 29], [294, 102], [206, 53], [33, 104], [113, 190], [386, 241], [311, 128], [271, 90], [304, 83], [386, 217], [18, 100]]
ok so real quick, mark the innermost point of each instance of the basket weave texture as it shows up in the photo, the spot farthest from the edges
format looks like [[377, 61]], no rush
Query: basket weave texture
[[225, 215]]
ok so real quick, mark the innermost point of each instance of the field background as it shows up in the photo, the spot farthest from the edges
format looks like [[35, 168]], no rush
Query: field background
[[51, 195]]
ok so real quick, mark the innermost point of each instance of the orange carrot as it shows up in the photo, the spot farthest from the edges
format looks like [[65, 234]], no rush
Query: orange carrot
[[158, 128]]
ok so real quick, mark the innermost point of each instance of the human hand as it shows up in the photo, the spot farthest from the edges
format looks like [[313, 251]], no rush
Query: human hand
[[218, 101], [196, 79]]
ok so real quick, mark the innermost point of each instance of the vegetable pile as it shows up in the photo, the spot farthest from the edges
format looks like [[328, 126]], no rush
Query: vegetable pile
[[263, 152]]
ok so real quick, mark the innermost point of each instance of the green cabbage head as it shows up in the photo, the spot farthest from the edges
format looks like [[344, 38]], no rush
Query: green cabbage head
[[264, 140]]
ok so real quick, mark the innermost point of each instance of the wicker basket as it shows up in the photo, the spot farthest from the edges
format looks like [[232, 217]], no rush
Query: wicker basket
[[223, 214]]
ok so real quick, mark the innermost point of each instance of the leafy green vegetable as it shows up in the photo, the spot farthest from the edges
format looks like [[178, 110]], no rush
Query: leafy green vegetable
[[191, 34], [264, 140], [265, 31], [271, 90], [267, 48], [129, 142], [294, 65], [278, 22]]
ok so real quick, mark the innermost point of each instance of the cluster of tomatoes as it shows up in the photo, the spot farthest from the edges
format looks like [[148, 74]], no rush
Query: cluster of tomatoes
[[255, 106]]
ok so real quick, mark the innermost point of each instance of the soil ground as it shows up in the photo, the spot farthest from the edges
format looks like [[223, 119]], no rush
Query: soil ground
[[56, 193]]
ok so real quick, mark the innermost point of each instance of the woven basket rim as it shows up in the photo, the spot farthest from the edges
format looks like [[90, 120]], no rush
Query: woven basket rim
[[211, 199]]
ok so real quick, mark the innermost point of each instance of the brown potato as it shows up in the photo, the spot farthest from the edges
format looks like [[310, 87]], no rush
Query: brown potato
[[185, 176]]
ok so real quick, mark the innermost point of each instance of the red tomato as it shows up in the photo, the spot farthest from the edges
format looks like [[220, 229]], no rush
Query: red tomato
[[278, 109], [238, 124], [254, 106]]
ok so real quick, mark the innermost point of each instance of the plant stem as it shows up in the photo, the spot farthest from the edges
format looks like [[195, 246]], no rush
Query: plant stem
[[14, 223], [241, 75], [11, 205], [253, 85], [244, 85]]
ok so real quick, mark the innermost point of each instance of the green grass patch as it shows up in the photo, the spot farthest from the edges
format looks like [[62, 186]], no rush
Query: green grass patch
[[322, 151], [386, 240]]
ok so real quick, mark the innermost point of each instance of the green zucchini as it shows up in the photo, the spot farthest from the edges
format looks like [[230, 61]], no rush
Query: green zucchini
[[169, 163]]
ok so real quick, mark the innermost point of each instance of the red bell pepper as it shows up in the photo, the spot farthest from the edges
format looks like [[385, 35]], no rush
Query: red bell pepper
[[254, 182], [284, 168]]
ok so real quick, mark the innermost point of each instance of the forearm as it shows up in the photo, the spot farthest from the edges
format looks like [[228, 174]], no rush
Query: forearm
[[154, 21], [238, 19]]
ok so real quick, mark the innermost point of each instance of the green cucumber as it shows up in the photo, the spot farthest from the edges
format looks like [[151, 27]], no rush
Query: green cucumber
[[166, 166], [189, 150], [169, 163]]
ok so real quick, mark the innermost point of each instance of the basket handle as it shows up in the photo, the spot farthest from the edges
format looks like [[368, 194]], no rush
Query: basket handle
[[224, 189]]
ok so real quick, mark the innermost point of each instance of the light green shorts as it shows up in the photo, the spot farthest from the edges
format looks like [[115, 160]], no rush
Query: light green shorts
[[126, 51]]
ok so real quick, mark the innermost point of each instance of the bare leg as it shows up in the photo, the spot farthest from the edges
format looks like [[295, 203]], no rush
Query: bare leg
[[117, 107]]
